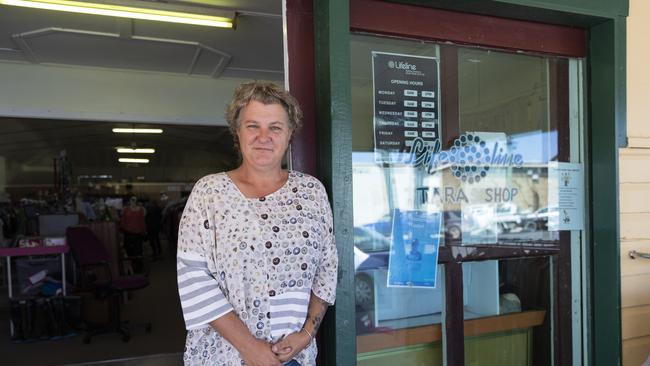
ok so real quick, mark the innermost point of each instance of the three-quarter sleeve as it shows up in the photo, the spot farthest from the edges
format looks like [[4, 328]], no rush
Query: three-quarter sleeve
[[202, 300], [325, 276]]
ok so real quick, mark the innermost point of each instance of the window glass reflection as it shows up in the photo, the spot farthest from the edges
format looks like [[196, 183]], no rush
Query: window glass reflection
[[504, 101]]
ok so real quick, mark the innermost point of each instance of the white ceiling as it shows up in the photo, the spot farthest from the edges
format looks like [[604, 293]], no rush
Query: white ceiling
[[251, 51]]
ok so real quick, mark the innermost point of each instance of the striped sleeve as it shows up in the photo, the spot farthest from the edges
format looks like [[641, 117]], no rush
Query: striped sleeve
[[288, 312], [202, 300]]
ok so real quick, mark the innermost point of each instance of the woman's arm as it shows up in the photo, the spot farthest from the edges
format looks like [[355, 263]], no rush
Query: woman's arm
[[315, 314], [255, 352], [296, 342]]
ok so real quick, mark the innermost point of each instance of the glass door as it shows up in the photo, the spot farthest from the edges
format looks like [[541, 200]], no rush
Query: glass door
[[467, 249]]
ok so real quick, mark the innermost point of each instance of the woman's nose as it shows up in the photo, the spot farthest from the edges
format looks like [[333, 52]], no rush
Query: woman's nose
[[264, 134]]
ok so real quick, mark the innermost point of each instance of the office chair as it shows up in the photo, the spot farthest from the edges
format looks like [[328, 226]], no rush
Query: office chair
[[93, 261]]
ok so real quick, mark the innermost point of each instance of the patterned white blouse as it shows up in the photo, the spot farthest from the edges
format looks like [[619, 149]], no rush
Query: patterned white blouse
[[259, 257]]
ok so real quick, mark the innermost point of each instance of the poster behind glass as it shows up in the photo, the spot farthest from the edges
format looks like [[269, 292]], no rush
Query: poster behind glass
[[405, 104]]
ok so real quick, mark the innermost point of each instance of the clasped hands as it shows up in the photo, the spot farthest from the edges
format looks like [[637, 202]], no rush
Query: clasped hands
[[262, 353]]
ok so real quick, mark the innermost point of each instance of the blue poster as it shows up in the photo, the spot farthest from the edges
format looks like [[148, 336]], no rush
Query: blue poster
[[414, 249]]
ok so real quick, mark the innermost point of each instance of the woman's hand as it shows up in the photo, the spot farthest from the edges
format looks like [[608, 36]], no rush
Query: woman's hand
[[290, 345], [258, 353]]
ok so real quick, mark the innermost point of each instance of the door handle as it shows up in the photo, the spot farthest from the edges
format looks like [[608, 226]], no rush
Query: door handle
[[634, 254]]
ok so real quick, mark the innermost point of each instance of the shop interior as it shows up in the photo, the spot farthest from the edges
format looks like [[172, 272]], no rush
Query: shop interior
[[122, 117]]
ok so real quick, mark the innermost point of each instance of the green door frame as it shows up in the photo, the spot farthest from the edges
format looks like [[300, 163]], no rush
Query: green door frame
[[605, 129]]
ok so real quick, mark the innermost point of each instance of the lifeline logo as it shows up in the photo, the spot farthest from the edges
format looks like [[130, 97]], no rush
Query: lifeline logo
[[470, 158], [401, 65]]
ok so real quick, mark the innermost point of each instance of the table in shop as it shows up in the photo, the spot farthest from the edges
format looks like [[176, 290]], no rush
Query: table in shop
[[8, 253]]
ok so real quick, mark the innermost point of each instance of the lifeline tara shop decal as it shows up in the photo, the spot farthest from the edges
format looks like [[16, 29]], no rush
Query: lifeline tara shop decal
[[406, 104]]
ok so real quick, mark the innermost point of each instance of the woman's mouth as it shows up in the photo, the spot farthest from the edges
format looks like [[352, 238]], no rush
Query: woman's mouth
[[263, 149]]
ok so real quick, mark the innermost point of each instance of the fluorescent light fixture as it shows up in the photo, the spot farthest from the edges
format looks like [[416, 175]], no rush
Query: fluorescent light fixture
[[132, 160], [128, 150], [135, 9], [136, 130], [100, 176]]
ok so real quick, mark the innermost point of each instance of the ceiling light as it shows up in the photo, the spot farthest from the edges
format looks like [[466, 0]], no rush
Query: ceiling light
[[135, 9], [132, 160], [128, 150], [136, 130]]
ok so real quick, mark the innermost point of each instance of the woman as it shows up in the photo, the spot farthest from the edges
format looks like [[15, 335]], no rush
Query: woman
[[257, 262]]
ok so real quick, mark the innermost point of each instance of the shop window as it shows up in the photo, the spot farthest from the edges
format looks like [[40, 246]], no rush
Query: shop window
[[461, 229]]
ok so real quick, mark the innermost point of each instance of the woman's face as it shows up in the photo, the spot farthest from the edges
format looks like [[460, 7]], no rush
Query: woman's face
[[263, 134]]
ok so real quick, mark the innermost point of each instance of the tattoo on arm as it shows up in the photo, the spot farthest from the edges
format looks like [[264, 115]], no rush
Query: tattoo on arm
[[315, 321], [316, 312]]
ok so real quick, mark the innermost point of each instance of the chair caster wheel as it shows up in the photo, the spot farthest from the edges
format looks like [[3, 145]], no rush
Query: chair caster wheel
[[126, 338], [147, 328], [86, 340]]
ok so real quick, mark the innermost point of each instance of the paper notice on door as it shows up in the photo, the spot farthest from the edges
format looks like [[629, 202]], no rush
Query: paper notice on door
[[566, 196]]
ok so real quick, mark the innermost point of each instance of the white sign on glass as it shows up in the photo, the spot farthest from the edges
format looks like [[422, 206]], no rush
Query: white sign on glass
[[566, 200]]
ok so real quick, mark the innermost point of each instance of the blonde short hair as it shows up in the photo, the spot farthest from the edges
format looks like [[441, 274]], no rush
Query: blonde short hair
[[265, 93]]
